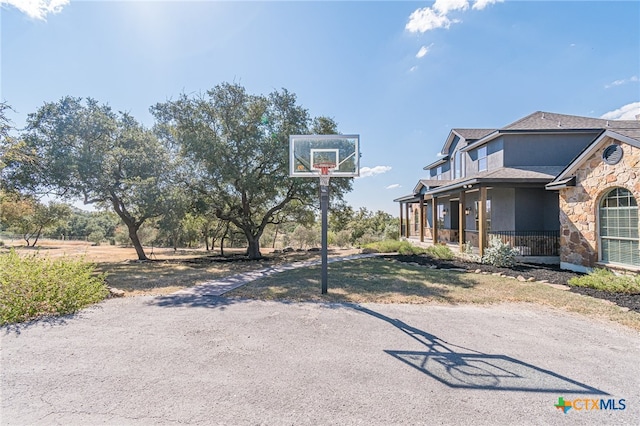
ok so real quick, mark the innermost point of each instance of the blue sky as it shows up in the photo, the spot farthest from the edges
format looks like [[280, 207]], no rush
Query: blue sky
[[401, 74]]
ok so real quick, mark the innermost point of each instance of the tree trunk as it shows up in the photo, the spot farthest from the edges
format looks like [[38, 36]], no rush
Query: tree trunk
[[275, 237], [253, 251], [133, 235], [37, 237]]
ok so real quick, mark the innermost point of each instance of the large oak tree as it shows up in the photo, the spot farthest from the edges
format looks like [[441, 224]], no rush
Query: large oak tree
[[236, 147], [85, 150]]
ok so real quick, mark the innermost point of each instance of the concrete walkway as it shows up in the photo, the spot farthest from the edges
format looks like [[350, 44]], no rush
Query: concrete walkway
[[221, 286]]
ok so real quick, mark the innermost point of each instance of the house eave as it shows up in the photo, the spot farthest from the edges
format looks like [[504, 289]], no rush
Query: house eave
[[560, 184]]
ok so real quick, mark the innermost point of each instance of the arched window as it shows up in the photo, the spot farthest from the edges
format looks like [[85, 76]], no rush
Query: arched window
[[619, 240]]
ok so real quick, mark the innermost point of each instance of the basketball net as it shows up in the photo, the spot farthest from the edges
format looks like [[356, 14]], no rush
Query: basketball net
[[324, 168]]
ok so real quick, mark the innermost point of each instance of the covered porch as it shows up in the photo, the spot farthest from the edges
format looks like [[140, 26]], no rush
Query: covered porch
[[469, 214]]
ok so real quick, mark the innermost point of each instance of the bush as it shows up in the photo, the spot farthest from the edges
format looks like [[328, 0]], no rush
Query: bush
[[393, 246], [603, 279], [499, 254], [32, 287], [440, 251]]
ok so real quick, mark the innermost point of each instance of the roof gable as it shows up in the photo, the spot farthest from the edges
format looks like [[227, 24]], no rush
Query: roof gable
[[629, 136]]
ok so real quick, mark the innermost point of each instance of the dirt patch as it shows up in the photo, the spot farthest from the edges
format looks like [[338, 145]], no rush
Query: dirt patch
[[547, 273]]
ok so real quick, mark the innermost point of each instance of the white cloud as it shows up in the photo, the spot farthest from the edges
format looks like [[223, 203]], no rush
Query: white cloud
[[394, 186], [431, 18], [426, 19], [632, 79], [37, 9], [446, 6], [413, 68], [372, 171], [481, 4], [627, 112], [423, 51]]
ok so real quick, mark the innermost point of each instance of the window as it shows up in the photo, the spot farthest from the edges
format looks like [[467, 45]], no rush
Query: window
[[482, 158], [619, 240], [441, 214], [439, 173], [457, 165], [416, 221]]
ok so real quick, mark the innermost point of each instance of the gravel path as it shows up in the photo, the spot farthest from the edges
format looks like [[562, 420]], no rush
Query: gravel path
[[191, 359]]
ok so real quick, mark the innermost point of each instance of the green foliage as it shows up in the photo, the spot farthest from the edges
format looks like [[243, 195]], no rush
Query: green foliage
[[440, 251], [603, 279], [31, 287], [236, 148], [499, 254], [30, 218], [364, 226], [86, 151], [393, 246]]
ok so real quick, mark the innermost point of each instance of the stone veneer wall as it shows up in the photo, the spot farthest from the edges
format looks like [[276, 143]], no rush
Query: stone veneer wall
[[579, 204]]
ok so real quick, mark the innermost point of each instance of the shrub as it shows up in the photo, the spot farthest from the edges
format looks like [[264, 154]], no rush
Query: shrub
[[440, 251], [32, 287], [603, 279], [394, 246], [499, 254]]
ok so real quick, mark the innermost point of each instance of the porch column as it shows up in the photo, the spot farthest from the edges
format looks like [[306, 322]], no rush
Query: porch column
[[462, 219], [407, 231], [482, 221], [434, 220], [400, 204], [422, 218]]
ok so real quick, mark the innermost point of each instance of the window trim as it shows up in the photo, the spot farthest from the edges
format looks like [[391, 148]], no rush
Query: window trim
[[483, 159], [599, 207]]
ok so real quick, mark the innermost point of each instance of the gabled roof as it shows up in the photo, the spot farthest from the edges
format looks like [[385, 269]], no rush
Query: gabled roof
[[473, 134], [541, 121], [629, 135], [466, 135], [428, 184]]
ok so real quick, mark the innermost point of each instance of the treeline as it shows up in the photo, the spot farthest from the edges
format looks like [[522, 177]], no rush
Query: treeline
[[213, 168], [31, 220]]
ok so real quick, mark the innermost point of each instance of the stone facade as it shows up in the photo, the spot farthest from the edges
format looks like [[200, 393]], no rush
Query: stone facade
[[579, 204]]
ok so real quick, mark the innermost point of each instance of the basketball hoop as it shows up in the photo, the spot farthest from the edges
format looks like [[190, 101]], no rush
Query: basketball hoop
[[324, 172]]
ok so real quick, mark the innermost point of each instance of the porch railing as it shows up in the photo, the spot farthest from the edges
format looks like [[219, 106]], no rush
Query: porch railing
[[531, 243]]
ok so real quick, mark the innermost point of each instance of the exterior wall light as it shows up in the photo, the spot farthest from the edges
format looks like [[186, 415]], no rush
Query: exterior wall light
[[467, 211]]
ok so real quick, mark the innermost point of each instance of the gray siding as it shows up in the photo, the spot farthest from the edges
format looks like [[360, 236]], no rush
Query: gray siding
[[502, 209], [544, 149], [495, 154], [536, 210]]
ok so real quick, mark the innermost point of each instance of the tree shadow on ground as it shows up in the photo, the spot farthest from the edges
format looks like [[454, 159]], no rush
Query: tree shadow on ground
[[463, 368], [46, 321]]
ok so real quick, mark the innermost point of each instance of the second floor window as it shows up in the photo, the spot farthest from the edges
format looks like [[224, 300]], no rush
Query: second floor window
[[457, 165], [482, 159]]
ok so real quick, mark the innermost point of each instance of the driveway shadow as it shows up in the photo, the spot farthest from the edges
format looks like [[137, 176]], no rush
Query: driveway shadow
[[463, 368], [193, 301]]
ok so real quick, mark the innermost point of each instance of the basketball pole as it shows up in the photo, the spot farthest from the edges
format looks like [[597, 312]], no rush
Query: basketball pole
[[324, 206]]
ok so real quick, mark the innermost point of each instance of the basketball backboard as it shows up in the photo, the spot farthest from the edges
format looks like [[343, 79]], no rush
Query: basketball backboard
[[307, 153]]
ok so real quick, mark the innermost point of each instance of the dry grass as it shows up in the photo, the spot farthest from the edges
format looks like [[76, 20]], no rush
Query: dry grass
[[382, 281], [366, 280], [168, 271]]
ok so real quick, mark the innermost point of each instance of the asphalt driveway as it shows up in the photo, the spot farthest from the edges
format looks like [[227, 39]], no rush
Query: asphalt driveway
[[193, 359]]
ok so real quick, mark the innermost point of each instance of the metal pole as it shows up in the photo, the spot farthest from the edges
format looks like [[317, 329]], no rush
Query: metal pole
[[324, 204]]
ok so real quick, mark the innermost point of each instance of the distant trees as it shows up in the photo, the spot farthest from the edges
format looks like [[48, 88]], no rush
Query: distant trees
[[30, 218]]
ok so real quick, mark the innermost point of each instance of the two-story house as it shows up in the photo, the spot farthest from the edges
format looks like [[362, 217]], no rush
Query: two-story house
[[518, 182]]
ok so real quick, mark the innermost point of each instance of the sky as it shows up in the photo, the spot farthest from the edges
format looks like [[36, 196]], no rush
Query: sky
[[401, 74]]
